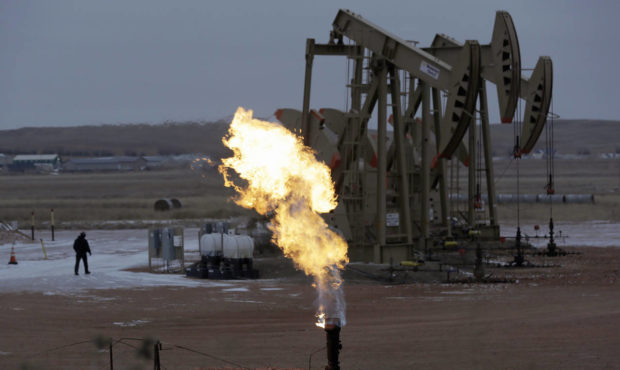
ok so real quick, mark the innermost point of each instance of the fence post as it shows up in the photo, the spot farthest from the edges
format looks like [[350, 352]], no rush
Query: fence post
[[32, 225], [52, 222], [156, 364]]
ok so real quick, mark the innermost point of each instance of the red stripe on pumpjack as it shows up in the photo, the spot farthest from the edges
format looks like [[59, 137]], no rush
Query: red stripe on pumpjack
[[466, 162], [506, 119], [317, 115], [321, 110], [418, 120], [278, 114], [335, 162], [435, 160], [441, 155], [390, 118], [373, 161]]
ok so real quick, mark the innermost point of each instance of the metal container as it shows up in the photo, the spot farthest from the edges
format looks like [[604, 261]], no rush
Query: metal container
[[167, 244], [228, 246], [155, 243]]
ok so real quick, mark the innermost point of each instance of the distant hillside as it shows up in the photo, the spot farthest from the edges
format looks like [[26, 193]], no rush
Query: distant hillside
[[571, 137], [108, 140]]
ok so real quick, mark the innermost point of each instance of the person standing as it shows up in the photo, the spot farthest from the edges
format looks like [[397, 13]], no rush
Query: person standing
[[81, 247]]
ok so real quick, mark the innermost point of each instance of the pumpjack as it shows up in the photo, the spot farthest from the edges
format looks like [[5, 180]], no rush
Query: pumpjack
[[388, 183]]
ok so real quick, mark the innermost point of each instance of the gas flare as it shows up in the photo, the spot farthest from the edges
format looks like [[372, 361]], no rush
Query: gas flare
[[275, 174]]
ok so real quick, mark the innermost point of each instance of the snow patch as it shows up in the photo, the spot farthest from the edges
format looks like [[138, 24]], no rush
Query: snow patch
[[131, 323], [114, 251], [595, 233], [236, 289]]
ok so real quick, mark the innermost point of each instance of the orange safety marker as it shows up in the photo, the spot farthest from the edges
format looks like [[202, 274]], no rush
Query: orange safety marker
[[13, 260]]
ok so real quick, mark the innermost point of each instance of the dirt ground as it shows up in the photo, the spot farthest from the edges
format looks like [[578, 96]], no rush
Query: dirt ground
[[556, 317]]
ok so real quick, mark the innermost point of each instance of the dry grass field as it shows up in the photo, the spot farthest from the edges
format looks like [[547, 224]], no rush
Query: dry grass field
[[100, 199], [97, 198], [552, 318], [108, 140], [600, 177], [571, 137]]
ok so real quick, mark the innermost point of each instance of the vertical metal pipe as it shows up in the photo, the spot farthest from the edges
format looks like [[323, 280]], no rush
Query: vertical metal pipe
[[381, 159], [332, 336], [471, 180], [52, 222], [399, 140], [32, 225], [305, 116], [441, 162], [111, 357], [488, 154], [156, 361], [425, 167]]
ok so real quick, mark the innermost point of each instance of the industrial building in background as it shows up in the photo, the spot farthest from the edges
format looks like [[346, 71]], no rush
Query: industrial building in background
[[33, 162], [395, 194]]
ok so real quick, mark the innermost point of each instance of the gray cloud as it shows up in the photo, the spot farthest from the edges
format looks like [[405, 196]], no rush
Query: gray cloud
[[90, 62]]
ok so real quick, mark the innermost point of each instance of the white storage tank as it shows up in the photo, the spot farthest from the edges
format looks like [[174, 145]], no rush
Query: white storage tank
[[210, 244], [245, 246], [229, 246]]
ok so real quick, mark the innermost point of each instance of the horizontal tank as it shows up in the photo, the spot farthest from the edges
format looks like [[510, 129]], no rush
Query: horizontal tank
[[229, 246], [550, 198], [579, 198]]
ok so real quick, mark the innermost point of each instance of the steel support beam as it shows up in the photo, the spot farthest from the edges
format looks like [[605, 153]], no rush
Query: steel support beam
[[305, 113], [381, 75], [399, 141], [471, 193], [425, 167], [441, 162], [488, 154]]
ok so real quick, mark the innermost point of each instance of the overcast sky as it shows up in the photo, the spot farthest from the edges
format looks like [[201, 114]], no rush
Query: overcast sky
[[90, 62]]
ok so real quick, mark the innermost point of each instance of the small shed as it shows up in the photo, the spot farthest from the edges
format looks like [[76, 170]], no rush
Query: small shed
[[23, 162]]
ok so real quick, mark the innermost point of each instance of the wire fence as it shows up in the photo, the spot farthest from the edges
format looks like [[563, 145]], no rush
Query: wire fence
[[143, 349], [146, 350]]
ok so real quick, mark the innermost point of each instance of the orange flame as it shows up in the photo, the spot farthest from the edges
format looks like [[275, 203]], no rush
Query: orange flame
[[280, 175]]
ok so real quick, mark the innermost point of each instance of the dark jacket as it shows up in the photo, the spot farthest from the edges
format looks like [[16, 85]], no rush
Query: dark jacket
[[80, 246]]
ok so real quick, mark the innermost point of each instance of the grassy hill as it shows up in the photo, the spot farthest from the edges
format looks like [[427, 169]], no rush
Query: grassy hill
[[571, 137], [109, 140]]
